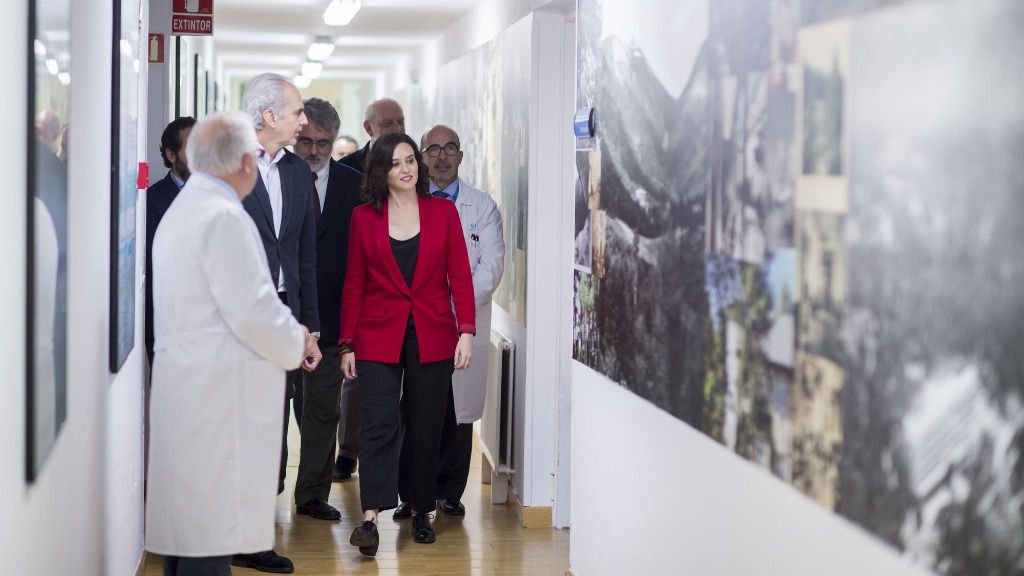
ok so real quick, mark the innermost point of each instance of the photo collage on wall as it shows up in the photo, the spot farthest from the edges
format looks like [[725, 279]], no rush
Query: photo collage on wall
[[798, 230]]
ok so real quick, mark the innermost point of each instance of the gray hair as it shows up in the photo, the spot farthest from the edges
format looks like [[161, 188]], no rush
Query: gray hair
[[264, 92], [423, 140], [371, 109], [219, 142], [321, 113]]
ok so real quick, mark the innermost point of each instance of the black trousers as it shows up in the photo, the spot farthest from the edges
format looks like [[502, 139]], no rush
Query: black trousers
[[402, 404], [206, 566], [320, 414], [456, 451]]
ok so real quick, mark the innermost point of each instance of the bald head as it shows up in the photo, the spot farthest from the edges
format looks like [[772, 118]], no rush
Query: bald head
[[442, 153], [384, 116]]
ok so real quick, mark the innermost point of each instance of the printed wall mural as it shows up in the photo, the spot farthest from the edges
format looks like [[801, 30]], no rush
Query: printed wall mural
[[798, 229]]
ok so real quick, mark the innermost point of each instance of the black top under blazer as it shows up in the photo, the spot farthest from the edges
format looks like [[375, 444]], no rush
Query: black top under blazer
[[343, 184], [295, 250]]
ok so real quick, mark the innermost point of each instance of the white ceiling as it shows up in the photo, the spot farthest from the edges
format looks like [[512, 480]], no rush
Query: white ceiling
[[253, 36]]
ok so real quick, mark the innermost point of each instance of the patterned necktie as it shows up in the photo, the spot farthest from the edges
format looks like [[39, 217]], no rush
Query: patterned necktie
[[440, 194]]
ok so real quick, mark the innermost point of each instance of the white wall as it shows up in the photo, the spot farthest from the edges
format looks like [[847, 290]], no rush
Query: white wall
[[653, 496], [83, 513]]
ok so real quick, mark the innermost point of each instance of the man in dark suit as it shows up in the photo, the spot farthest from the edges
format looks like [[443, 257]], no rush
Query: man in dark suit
[[282, 208], [335, 196], [158, 199], [383, 116]]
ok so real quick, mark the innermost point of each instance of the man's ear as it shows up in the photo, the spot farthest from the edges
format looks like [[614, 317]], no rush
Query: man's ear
[[170, 155], [368, 127], [269, 118], [248, 162]]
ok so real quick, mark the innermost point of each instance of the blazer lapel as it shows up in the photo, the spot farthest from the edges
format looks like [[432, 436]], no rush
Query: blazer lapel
[[384, 237], [332, 201], [264, 197], [288, 192]]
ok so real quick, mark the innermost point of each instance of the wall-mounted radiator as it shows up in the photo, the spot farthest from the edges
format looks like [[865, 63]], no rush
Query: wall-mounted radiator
[[496, 425]]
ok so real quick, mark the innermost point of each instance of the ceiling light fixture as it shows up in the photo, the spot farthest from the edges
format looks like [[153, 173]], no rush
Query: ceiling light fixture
[[322, 48], [341, 12], [312, 69], [64, 78], [52, 67], [302, 82]]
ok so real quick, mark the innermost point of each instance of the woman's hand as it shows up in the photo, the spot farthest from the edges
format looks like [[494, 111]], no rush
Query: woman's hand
[[464, 351], [348, 365]]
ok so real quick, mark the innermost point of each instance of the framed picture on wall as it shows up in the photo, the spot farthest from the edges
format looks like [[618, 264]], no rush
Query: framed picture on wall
[[49, 104], [123, 178]]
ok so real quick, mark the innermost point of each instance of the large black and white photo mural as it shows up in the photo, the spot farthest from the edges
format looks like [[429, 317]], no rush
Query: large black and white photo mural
[[800, 230]]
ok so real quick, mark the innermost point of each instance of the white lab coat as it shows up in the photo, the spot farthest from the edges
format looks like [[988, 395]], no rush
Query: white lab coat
[[223, 343], [481, 218]]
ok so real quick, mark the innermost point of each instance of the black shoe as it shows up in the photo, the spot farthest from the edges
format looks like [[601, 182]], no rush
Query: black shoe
[[343, 468], [452, 507], [365, 536], [268, 561], [403, 511], [318, 509], [422, 533]]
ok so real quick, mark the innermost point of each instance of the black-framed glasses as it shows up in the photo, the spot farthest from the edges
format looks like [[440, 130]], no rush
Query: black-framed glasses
[[450, 149], [322, 144]]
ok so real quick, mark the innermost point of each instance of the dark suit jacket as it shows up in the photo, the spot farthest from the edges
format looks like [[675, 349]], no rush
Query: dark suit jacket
[[376, 301], [343, 185], [357, 159], [158, 199], [294, 251]]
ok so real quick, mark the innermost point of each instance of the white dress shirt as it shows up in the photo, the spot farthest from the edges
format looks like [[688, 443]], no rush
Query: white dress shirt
[[321, 183], [272, 180]]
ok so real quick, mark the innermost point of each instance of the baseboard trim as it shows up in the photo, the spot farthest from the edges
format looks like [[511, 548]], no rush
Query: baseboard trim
[[140, 570], [532, 516]]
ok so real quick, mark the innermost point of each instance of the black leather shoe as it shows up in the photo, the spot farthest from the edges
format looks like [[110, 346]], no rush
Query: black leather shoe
[[422, 532], [343, 468], [451, 507], [268, 561], [365, 536], [318, 509], [403, 511]]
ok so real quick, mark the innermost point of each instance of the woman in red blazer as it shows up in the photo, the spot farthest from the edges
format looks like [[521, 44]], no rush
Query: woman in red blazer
[[407, 264]]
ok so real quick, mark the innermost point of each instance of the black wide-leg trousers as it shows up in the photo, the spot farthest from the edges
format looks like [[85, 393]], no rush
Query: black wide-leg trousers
[[402, 403]]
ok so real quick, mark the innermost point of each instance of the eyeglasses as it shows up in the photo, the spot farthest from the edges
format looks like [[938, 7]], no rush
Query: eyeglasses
[[322, 144], [450, 149]]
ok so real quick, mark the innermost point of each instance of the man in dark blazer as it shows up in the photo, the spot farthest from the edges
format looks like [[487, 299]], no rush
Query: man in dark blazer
[[335, 196], [158, 199], [281, 205], [383, 116]]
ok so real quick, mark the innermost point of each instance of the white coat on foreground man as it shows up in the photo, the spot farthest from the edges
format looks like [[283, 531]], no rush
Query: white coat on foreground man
[[225, 341]]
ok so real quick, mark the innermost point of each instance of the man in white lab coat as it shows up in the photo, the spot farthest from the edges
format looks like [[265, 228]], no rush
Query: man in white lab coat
[[482, 228], [225, 341]]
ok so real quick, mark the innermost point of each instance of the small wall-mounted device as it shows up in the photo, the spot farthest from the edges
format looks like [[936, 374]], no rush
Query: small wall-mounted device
[[585, 123]]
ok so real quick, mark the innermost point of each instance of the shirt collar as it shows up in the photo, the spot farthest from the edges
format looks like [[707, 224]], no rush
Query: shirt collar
[[223, 187], [178, 181], [452, 190], [266, 161]]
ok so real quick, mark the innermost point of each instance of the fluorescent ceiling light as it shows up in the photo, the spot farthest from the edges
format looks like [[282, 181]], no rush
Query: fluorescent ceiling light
[[302, 82], [51, 66], [312, 69], [341, 12], [321, 49], [64, 78], [40, 48]]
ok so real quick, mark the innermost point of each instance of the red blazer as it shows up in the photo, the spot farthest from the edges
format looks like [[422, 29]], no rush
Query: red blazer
[[376, 301]]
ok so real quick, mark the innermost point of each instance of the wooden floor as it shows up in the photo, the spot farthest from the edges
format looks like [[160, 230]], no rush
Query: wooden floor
[[487, 541]]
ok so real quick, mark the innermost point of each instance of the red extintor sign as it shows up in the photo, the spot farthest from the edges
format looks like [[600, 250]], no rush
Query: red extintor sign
[[192, 18]]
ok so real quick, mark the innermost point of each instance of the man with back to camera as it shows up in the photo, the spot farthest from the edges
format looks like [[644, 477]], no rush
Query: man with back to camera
[[224, 342], [282, 208], [343, 146], [336, 194], [158, 199], [383, 116], [482, 228]]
